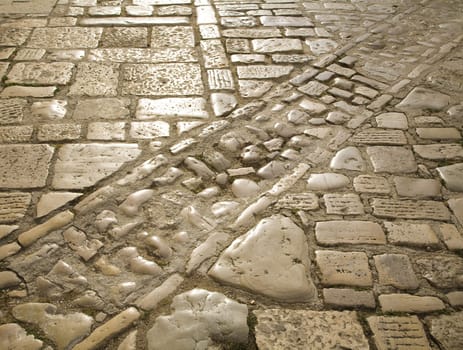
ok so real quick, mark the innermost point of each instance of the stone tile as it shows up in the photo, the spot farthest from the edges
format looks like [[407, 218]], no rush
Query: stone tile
[[82, 165], [371, 184], [283, 275], [421, 98], [441, 271], [30, 73], [253, 88], [54, 200], [13, 36], [5, 53], [287, 329], [102, 109], [205, 15], [395, 332], [13, 206], [348, 298], [65, 38], [411, 234], [16, 134], [149, 130], [24, 166], [299, 201], [313, 88], [58, 132], [237, 45], [214, 54], [392, 159], [220, 79], [321, 46], [194, 107], [198, 316], [172, 36], [452, 176], [105, 131], [418, 188], [409, 209], [263, 72], [455, 298], [142, 55], [438, 133], [124, 37], [349, 232], [174, 10], [327, 181], [139, 10], [373, 136], [451, 236], [252, 33], [238, 21], [343, 268], [456, 204], [29, 54], [439, 151], [343, 204], [447, 330], [104, 11], [396, 270], [95, 79], [162, 79], [285, 21], [348, 158], [209, 31], [409, 303], [276, 45], [133, 21], [223, 103], [49, 110], [28, 91]]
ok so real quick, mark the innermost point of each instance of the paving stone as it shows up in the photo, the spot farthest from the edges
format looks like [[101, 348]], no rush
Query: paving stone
[[452, 176], [142, 55], [272, 276], [408, 209], [438, 133], [198, 317], [417, 235], [394, 332], [287, 329], [25, 166], [451, 236], [441, 271], [223, 103], [13, 336], [13, 36], [133, 21], [409, 303], [253, 88], [285, 21], [456, 204], [276, 45], [421, 98], [327, 181], [392, 159], [139, 10], [172, 36], [65, 38], [299, 201], [392, 120], [455, 298], [439, 151], [106, 131], [349, 232], [58, 132], [205, 15], [343, 268], [371, 184], [174, 10], [102, 108], [28, 91], [348, 298], [149, 130], [418, 188], [263, 72], [162, 79], [16, 134], [171, 107], [313, 88], [373, 136], [214, 54], [220, 79], [54, 200], [62, 55], [13, 206], [313, 107], [104, 11], [82, 165], [5, 53], [321, 46], [291, 58], [29, 54], [238, 21], [248, 58], [237, 45], [447, 330], [252, 33], [396, 270], [209, 31], [124, 37], [49, 109], [95, 79], [348, 158]]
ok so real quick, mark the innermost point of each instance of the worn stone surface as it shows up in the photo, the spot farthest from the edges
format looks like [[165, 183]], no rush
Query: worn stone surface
[[95, 79], [392, 159], [328, 329], [349, 232], [245, 263], [447, 330], [396, 270]]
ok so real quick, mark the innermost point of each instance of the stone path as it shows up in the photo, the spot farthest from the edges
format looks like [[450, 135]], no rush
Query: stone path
[[224, 174]]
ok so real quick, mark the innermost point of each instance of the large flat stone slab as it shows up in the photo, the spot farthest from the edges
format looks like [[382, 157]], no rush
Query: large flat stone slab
[[65, 38], [42, 7], [24, 166], [314, 330], [421, 98], [143, 55], [83, 165], [282, 275]]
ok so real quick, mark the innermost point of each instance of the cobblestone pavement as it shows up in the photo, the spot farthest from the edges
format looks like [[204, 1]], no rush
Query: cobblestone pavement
[[231, 174]]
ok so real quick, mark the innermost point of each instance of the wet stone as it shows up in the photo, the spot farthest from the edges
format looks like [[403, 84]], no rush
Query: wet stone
[[198, 317], [409, 303], [392, 159], [348, 158], [349, 232], [396, 270], [327, 181], [371, 184], [343, 268], [13, 206], [408, 209], [424, 99], [95, 79], [124, 37], [263, 72], [439, 151], [348, 298], [101, 108], [82, 165], [65, 38], [162, 79], [447, 330], [394, 332], [283, 276], [418, 188], [172, 36], [25, 166], [287, 329], [299, 201], [375, 136]]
